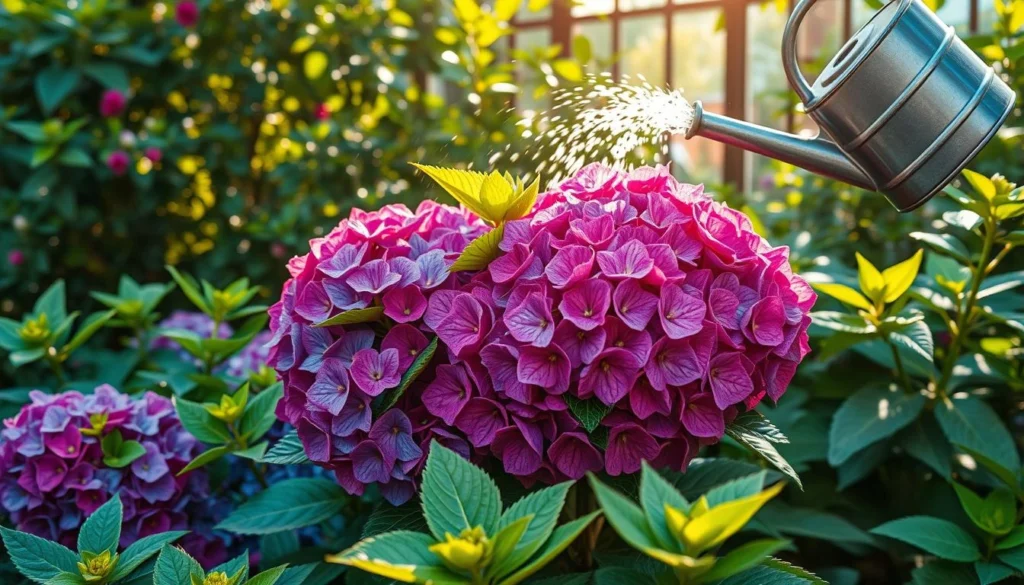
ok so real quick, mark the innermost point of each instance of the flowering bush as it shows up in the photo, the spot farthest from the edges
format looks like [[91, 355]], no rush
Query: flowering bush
[[65, 455], [250, 359], [628, 319], [337, 369]]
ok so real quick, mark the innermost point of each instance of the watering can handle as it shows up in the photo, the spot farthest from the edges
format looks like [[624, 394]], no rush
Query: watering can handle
[[790, 61]]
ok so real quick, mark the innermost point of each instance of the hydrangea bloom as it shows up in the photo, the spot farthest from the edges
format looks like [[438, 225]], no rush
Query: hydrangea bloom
[[394, 259], [626, 294], [52, 474]]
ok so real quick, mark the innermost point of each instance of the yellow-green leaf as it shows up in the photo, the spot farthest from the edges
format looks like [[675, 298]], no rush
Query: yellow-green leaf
[[844, 294], [14, 6], [467, 10], [899, 277], [480, 252], [464, 186], [314, 64], [523, 202], [446, 36], [401, 18], [538, 5], [495, 197], [981, 184], [719, 523], [303, 44], [506, 9], [353, 317], [569, 69], [871, 281]]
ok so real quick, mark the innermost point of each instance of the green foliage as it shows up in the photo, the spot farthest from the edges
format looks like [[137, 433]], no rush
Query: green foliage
[[471, 539]]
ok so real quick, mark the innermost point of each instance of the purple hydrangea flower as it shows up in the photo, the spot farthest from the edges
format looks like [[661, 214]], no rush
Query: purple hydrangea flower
[[631, 290], [334, 377], [52, 473]]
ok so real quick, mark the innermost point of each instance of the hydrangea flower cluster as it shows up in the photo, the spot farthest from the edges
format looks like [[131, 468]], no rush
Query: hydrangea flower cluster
[[53, 474], [393, 261], [627, 295]]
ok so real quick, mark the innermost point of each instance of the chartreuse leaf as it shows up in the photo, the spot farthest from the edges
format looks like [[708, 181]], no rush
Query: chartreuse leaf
[[287, 505], [401, 556], [844, 294], [938, 537], [982, 184], [141, 551], [717, 524], [543, 506], [493, 197], [102, 529], [457, 495], [205, 458], [119, 453], [899, 277], [464, 186], [175, 567], [995, 514], [236, 566], [744, 557], [655, 493], [268, 577], [870, 279], [505, 542], [735, 489], [188, 285], [560, 539], [480, 252], [37, 558]]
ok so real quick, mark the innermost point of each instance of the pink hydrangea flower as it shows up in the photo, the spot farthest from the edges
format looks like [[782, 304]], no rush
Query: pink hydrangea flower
[[118, 162], [15, 257], [186, 13], [52, 473], [336, 378], [112, 103], [635, 293]]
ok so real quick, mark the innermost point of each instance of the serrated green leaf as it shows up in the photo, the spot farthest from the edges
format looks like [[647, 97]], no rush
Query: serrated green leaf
[[543, 506], [36, 558], [101, 530], [198, 421], [559, 541], [175, 567], [287, 505], [589, 413], [141, 551], [744, 557], [655, 493], [287, 451], [761, 443], [400, 556], [258, 416], [936, 536], [479, 254], [457, 495]]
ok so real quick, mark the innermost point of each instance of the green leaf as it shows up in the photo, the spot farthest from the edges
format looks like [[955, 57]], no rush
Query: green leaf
[[353, 317], [175, 567], [982, 184], [944, 244], [53, 85], [203, 426], [238, 565], [505, 557], [385, 518], [268, 577], [899, 277], [1000, 283], [754, 422], [90, 326], [744, 557], [253, 452], [101, 530], [970, 422], [656, 493], [109, 75], [74, 157], [989, 573], [589, 413], [1012, 540], [36, 558], [543, 506], [479, 254], [457, 495], [287, 451], [868, 416], [938, 537], [924, 441], [917, 338], [870, 279], [844, 294], [995, 514], [52, 303], [761, 443], [843, 323], [188, 285], [287, 505], [943, 573], [741, 487], [258, 416], [1013, 557], [400, 556], [301, 575], [559, 541], [963, 219], [769, 574], [390, 397], [704, 474], [792, 570], [141, 551], [205, 458], [119, 453], [719, 523], [783, 518], [626, 518]]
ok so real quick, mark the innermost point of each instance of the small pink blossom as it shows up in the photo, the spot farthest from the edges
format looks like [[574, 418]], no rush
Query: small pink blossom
[[186, 13], [15, 257], [118, 162], [112, 103]]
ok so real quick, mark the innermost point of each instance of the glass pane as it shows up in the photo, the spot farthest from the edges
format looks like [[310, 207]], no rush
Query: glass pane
[[639, 4], [599, 33], [642, 47], [956, 13], [698, 68], [819, 39], [592, 7], [528, 40], [767, 89]]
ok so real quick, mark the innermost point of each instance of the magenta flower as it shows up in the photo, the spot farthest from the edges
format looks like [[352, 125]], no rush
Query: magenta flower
[[154, 154], [53, 474], [635, 292], [15, 257], [335, 378], [118, 162], [112, 103], [186, 13]]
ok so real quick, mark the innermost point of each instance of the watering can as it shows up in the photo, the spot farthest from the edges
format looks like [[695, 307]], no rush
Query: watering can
[[902, 107]]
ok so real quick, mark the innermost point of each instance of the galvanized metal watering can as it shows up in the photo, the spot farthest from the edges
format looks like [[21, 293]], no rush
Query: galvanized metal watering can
[[902, 107]]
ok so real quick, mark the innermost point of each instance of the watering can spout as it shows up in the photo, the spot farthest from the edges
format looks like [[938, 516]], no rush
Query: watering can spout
[[817, 155]]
